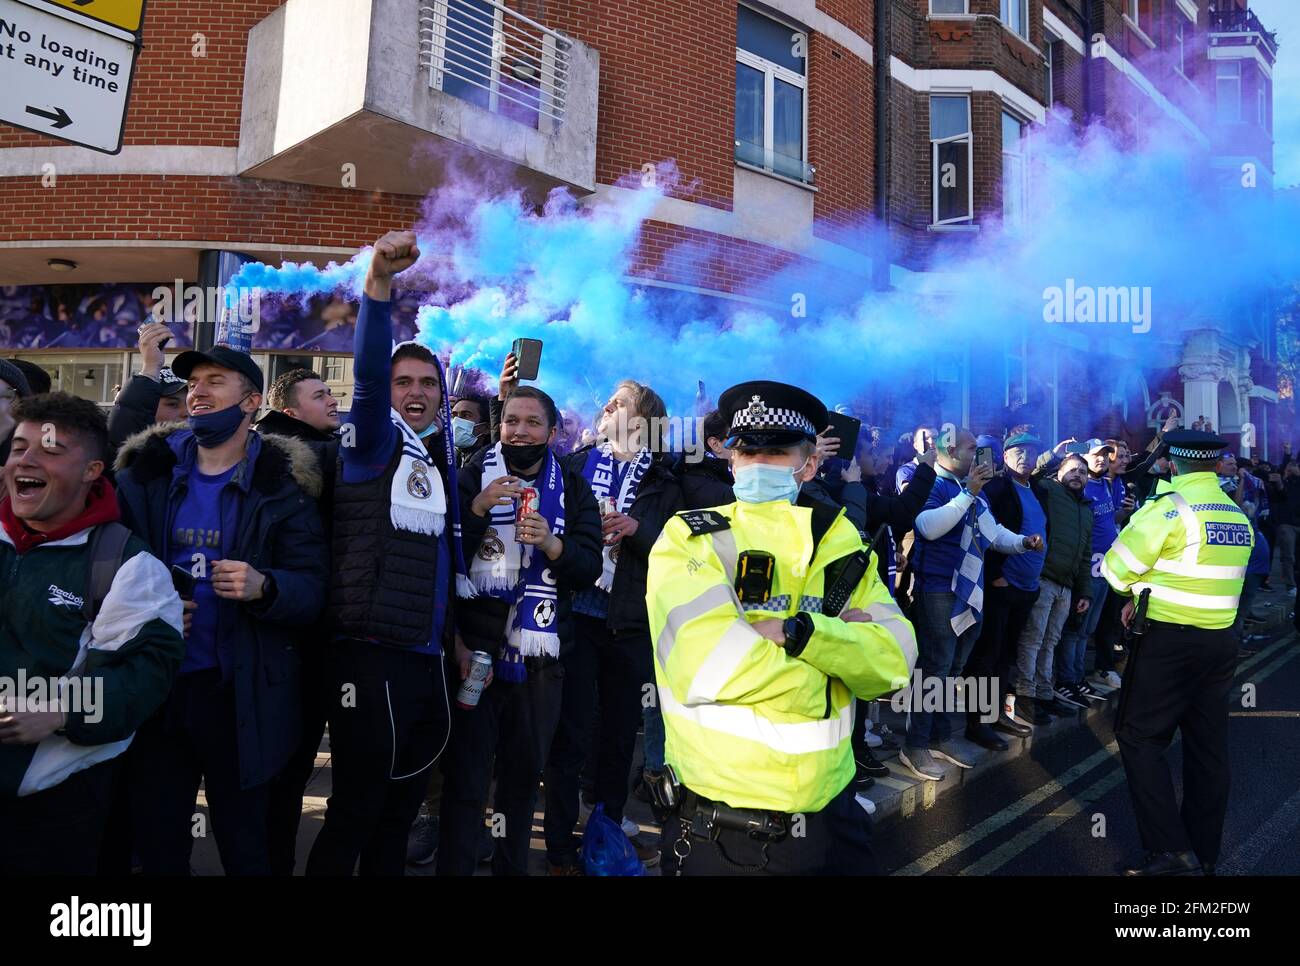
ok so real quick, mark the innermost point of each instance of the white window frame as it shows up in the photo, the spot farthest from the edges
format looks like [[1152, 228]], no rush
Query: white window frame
[[1134, 12], [771, 73], [1261, 101], [1180, 40], [441, 20], [969, 218], [1024, 16], [965, 11], [1218, 66], [1049, 39], [1023, 155]]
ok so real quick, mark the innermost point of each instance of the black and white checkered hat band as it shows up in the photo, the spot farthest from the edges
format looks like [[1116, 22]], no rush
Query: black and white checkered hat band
[[774, 419], [1192, 453]]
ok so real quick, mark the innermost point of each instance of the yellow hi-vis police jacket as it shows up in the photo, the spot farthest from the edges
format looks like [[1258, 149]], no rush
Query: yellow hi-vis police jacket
[[1190, 544], [746, 723]]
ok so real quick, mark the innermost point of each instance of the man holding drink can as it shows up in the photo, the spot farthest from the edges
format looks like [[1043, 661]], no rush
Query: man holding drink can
[[532, 532]]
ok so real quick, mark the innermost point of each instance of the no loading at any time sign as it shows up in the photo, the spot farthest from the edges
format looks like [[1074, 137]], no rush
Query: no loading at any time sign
[[63, 79]]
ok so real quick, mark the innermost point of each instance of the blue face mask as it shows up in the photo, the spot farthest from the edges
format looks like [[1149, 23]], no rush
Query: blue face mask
[[464, 430], [765, 483], [213, 429], [429, 430]]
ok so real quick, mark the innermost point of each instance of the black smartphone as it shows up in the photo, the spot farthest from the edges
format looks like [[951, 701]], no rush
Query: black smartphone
[[846, 428], [1078, 449], [983, 455], [183, 581], [528, 353]]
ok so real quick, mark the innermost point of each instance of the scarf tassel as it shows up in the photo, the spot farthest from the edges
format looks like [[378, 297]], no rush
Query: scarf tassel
[[417, 521], [512, 671], [538, 643], [465, 587]]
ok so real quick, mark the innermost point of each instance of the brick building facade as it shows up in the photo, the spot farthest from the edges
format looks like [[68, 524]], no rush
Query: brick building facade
[[774, 113]]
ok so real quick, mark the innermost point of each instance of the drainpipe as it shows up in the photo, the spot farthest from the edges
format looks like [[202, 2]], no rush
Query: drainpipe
[[881, 254]]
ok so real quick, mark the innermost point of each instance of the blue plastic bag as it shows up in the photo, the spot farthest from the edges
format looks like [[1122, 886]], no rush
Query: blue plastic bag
[[605, 849]]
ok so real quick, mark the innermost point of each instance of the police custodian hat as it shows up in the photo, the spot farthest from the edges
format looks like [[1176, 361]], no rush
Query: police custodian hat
[[1195, 444], [762, 413]]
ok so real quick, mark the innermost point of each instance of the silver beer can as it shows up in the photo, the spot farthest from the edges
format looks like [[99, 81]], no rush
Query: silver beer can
[[471, 689]]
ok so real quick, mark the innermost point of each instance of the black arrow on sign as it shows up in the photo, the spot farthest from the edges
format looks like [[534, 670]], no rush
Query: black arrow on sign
[[60, 119]]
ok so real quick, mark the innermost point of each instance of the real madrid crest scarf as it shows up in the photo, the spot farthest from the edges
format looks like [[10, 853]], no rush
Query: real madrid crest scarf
[[519, 573], [417, 500], [599, 472]]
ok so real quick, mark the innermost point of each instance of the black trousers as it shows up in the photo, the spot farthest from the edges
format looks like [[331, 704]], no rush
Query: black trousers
[[383, 740], [835, 841], [1110, 631], [1179, 678], [192, 739], [513, 723], [612, 667], [1006, 611], [57, 831], [288, 787]]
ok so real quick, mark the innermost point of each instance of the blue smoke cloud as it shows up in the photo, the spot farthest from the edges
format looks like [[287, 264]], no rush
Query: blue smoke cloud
[[1205, 248]]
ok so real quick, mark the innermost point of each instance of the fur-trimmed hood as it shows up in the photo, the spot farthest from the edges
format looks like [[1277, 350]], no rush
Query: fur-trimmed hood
[[149, 455]]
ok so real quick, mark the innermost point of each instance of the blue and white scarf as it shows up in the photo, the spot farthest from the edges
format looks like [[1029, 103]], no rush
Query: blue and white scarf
[[968, 579], [599, 472], [520, 573]]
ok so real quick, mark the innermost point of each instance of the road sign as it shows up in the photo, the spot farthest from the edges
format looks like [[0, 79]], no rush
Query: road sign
[[63, 79], [123, 14]]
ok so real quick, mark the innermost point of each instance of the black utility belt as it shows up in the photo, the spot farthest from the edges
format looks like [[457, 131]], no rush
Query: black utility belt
[[1153, 624], [708, 818]]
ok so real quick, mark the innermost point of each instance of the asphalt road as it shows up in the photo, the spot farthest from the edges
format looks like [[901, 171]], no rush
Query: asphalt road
[[1064, 809]]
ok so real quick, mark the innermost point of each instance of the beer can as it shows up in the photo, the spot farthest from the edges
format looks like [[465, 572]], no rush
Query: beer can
[[606, 506], [525, 504], [471, 689]]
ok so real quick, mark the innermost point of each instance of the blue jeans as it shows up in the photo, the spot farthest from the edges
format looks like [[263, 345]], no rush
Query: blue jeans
[[941, 654], [1074, 640], [1249, 591]]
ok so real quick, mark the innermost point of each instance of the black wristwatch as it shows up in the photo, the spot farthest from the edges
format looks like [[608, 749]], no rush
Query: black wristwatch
[[798, 632]]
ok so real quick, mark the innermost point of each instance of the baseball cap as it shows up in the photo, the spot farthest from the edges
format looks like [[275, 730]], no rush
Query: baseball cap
[[170, 383], [1095, 445], [1022, 439], [223, 357], [11, 374]]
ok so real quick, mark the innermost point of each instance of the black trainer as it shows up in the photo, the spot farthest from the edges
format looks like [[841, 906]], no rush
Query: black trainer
[[1165, 863], [982, 734], [868, 765]]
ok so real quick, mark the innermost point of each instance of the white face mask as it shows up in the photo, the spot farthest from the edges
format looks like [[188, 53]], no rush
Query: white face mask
[[464, 430], [767, 482]]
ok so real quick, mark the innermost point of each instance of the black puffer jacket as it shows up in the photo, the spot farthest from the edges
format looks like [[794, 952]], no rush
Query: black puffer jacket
[[481, 620], [324, 446], [705, 483], [657, 498]]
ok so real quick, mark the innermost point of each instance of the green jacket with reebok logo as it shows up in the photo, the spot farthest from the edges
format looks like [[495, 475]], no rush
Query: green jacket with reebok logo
[[127, 657]]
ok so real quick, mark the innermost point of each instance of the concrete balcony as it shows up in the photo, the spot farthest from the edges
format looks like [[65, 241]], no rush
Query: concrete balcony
[[403, 95]]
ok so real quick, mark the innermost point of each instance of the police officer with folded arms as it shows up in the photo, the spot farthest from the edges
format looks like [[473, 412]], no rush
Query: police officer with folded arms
[[1186, 552], [767, 618]]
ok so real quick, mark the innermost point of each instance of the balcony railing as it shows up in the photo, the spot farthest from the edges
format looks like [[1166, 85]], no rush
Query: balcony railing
[[483, 52], [1235, 20]]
